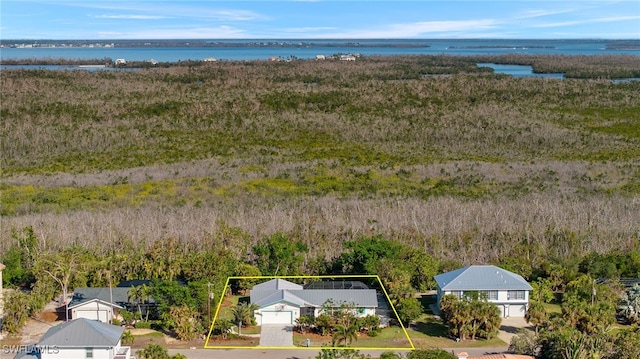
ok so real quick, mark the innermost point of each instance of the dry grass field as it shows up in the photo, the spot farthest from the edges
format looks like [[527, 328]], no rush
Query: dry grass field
[[468, 165]]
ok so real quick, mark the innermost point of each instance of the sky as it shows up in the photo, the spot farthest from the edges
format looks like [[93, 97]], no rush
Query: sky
[[319, 19]]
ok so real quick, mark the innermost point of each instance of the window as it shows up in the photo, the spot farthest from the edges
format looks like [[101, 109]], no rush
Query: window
[[490, 294], [89, 353], [309, 311], [457, 293], [515, 295]]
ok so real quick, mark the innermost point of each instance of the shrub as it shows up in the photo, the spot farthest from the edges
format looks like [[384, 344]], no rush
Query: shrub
[[143, 325], [430, 354]]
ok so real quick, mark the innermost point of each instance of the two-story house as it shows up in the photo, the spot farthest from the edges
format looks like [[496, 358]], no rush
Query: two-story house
[[507, 290]]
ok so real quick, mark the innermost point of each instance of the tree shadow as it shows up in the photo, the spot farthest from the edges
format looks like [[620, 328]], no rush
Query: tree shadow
[[431, 327], [510, 329]]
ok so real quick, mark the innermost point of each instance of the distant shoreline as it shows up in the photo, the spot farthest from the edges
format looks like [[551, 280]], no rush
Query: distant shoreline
[[207, 43], [83, 52], [631, 44]]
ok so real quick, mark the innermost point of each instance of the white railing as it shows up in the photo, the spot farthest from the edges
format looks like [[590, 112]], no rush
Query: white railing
[[123, 353]]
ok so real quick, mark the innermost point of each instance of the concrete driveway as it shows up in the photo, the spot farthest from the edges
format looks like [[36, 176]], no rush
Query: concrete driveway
[[276, 335], [510, 326]]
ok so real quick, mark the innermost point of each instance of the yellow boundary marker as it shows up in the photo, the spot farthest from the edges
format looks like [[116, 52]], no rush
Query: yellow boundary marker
[[226, 285]]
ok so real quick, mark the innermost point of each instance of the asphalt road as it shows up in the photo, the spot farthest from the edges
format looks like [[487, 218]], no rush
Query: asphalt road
[[295, 353]]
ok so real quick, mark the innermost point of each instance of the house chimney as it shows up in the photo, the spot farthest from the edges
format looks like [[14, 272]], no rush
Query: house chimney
[[462, 355]]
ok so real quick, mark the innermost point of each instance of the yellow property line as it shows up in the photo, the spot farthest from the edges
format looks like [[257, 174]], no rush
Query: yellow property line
[[404, 330]]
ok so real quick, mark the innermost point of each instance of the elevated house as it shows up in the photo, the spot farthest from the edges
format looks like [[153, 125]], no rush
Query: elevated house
[[282, 302], [81, 338], [507, 290]]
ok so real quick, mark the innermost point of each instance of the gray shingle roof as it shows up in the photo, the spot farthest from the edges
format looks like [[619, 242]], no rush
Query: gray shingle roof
[[82, 333], [481, 277], [84, 295]]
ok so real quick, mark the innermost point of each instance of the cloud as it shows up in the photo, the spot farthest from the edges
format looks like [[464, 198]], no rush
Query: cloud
[[587, 21], [177, 33], [131, 17], [416, 29], [109, 34], [309, 29], [529, 14], [162, 9]]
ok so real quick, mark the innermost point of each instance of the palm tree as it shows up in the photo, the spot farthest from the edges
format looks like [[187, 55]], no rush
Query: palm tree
[[127, 338], [223, 326], [242, 313], [460, 319], [536, 314], [146, 292], [492, 321], [137, 294], [478, 312], [344, 334]]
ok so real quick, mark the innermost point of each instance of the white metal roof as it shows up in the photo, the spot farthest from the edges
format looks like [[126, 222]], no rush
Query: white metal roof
[[279, 290], [481, 277], [82, 332]]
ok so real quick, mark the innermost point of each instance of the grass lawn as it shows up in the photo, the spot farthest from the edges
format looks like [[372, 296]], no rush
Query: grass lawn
[[226, 312], [552, 308], [392, 337], [226, 307], [233, 342], [255, 329], [429, 332]]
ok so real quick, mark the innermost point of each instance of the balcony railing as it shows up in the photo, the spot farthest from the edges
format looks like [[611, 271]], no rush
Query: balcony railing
[[123, 353]]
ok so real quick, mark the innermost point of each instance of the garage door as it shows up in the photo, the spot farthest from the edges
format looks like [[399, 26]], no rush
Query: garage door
[[100, 315], [519, 311], [279, 317]]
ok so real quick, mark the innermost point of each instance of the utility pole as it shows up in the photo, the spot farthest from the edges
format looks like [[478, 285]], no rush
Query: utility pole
[[209, 297], [110, 298]]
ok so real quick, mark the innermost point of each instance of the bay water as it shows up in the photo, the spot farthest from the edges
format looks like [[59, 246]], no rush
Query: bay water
[[308, 49]]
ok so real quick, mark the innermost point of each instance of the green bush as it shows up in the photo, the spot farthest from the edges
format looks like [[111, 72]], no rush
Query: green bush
[[142, 325], [430, 354]]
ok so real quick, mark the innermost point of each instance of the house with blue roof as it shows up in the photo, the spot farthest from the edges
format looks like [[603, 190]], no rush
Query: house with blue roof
[[282, 302], [507, 290], [104, 303], [79, 338]]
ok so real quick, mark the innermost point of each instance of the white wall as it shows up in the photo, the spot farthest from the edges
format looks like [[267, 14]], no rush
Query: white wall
[[93, 310], [76, 353], [367, 311], [508, 307]]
